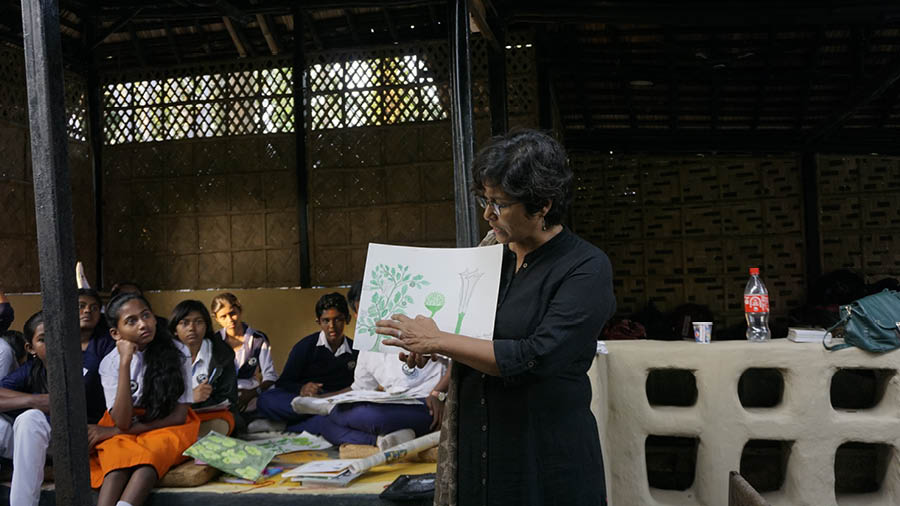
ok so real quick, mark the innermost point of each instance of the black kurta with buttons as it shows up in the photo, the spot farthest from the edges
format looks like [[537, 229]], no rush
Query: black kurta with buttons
[[528, 437]]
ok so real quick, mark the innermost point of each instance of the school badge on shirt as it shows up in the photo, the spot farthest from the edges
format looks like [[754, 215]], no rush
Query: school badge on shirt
[[351, 365], [252, 362], [202, 377], [134, 386]]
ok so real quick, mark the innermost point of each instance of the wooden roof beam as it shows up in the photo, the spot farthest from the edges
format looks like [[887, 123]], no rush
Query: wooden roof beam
[[351, 23], [392, 27], [865, 93], [311, 28], [479, 14], [136, 43], [265, 27], [204, 38], [240, 43], [173, 43], [116, 25]]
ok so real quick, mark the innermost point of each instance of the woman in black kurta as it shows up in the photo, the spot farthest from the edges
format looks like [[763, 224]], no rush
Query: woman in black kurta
[[526, 435]]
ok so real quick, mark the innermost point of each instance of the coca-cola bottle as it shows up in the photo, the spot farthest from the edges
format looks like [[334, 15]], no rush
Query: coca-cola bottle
[[756, 308]]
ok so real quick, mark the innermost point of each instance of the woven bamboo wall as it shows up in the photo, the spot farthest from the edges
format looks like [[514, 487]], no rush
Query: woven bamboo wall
[[686, 229], [859, 214], [19, 270]]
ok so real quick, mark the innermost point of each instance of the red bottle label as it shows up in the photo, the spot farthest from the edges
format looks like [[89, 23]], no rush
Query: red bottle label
[[756, 303]]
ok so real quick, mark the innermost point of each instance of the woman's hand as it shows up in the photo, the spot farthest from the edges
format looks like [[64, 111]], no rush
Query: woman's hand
[[436, 410], [419, 335], [41, 402], [97, 434], [202, 392]]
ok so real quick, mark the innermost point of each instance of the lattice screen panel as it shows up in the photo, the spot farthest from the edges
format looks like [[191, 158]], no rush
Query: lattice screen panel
[[859, 215], [685, 230], [19, 270], [247, 98], [380, 157]]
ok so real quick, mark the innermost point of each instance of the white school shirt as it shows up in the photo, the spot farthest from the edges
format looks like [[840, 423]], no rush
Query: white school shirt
[[343, 348], [109, 375], [241, 356], [375, 369], [200, 372]]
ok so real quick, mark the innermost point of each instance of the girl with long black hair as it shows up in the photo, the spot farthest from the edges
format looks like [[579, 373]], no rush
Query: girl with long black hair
[[213, 376], [149, 423]]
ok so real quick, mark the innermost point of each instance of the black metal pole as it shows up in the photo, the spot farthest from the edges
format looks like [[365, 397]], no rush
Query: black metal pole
[[95, 137], [461, 122], [497, 78], [811, 231], [300, 108], [56, 247]]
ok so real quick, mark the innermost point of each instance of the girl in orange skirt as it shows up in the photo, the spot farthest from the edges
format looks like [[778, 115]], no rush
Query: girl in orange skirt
[[149, 423], [213, 375]]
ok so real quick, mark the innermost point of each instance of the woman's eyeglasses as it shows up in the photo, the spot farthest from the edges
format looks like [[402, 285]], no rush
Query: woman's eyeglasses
[[495, 206]]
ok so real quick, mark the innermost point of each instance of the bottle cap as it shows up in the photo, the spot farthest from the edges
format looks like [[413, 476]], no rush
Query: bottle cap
[[754, 271]]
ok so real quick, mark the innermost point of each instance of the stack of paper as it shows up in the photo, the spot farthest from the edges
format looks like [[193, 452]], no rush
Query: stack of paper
[[806, 334], [324, 405], [334, 473]]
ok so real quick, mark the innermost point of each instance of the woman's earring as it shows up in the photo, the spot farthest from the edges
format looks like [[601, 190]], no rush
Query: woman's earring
[[543, 223]]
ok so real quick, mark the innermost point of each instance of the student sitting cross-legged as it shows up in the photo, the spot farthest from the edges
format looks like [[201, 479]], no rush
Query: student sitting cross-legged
[[385, 425], [321, 363], [213, 376], [147, 387]]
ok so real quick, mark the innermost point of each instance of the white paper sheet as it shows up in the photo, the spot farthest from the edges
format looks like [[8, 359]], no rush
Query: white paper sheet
[[457, 287]]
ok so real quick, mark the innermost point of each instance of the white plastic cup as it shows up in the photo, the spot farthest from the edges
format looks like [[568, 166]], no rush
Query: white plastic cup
[[702, 332]]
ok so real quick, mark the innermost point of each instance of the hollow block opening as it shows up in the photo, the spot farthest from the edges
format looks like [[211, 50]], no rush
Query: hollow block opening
[[671, 461], [764, 463], [859, 388], [671, 387], [761, 388], [859, 468]]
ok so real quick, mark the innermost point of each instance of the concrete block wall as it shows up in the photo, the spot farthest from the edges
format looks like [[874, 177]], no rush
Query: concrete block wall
[[804, 450]]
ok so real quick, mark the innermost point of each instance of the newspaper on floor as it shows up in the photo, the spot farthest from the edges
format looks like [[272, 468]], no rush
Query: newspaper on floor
[[324, 405], [293, 443]]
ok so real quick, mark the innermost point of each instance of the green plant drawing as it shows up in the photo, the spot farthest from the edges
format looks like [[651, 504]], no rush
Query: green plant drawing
[[231, 455], [434, 301], [467, 281], [390, 295]]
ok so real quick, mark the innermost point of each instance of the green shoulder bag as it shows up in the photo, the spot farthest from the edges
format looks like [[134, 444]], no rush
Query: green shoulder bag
[[871, 323]]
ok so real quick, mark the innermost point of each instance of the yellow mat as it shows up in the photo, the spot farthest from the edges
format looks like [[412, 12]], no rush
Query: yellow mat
[[373, 482]]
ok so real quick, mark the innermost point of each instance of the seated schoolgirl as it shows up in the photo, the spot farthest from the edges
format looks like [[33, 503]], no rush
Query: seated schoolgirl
[[96, 343], [25, 440], [385, 425], [321, 363], [213, 376], [12, 352], [252, 354], [149, 423]]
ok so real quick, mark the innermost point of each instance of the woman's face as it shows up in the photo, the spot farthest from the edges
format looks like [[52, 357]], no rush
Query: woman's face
[[88, 312], [513, 224], [229, 317], [38, 345], [136, 323], [191, 329], [332, 323]]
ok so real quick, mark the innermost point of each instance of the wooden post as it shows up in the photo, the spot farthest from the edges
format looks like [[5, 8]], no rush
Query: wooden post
[[462, 124], [497, 77], [95, 138], [811, 232], [300, 118], [56, 247]]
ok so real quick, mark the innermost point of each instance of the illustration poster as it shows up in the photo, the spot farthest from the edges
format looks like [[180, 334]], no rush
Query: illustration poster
[[457, 287]]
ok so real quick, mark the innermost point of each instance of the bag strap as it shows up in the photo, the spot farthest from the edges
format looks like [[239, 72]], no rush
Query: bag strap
[[839, 346]]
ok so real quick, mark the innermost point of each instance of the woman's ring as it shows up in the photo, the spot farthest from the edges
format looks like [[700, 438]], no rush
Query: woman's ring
[[399, 334]]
